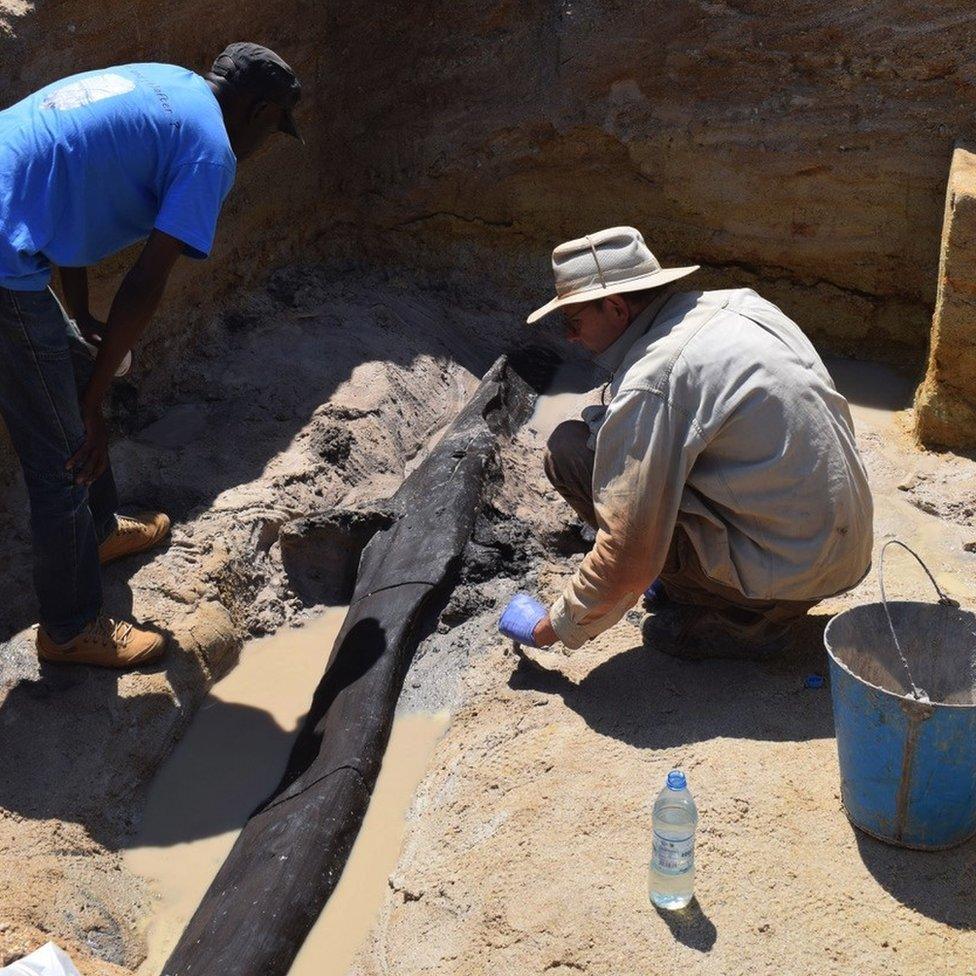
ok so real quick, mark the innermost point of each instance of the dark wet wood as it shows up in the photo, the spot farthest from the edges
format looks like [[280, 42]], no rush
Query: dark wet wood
[[290, 855]]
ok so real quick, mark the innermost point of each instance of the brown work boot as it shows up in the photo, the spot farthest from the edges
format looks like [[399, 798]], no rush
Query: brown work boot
[[704, 633], [105, 643], [135, 533]]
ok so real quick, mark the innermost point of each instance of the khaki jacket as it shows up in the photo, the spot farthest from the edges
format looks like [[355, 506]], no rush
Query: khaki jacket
[[722, 418]]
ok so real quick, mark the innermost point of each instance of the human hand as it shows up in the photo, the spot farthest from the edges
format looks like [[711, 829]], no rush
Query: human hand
[[91, 459], [93, 333], [521, 618], [91, 329]]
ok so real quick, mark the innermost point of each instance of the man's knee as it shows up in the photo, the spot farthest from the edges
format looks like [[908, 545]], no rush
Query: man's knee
[[567, 451], [51, 486]]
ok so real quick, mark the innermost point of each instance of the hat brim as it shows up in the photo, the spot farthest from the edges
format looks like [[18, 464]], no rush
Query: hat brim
[[287, 125], [652, 280]]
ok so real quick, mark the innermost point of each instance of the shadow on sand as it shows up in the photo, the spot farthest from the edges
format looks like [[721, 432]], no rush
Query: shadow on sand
[[938, 884], [652, 701], [691, 926], [47, 772]]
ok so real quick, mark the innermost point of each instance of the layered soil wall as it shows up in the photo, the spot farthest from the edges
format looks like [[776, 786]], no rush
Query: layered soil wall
[[799, 148]]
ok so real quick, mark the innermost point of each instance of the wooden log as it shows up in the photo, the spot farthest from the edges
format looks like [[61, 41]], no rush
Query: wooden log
[[288, 858]]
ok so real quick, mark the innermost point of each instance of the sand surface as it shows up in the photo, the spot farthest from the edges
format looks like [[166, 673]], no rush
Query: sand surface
[[527, 838], [529, 844]]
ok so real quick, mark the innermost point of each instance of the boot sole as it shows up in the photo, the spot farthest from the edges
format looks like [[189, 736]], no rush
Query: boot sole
[[147, 658]]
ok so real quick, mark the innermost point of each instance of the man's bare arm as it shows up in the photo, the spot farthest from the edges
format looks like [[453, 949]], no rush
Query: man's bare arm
[[134, 304], [74, 286]]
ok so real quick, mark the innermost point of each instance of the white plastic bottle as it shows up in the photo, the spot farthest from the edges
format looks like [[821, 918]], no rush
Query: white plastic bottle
[[672, 868]]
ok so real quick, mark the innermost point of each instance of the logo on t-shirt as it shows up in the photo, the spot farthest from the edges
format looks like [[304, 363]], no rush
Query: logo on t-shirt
[[77, 94]]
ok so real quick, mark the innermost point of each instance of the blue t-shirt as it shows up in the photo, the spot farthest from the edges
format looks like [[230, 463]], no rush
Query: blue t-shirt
[[93, 163]]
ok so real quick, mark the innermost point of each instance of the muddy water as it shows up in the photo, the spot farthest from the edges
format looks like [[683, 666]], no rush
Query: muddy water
[[349, 913], [571, 389], [231, 758]]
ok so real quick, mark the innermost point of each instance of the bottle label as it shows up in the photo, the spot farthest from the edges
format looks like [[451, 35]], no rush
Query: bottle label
[[673, 856]]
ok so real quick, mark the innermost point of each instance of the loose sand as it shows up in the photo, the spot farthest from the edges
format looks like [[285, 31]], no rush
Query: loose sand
[[528, 836]]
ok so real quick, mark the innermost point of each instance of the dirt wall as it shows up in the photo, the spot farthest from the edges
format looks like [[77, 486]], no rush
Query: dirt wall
[[798, 148]]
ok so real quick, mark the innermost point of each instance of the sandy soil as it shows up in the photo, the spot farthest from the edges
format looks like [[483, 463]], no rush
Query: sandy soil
[[316, 391], [530, 836], [528, 840], [9, 9]]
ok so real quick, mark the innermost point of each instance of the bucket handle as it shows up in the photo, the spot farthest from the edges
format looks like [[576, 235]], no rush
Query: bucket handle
[[944, 601]]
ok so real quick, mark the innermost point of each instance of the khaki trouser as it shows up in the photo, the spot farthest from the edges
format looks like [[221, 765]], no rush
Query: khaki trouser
[[569, 466]]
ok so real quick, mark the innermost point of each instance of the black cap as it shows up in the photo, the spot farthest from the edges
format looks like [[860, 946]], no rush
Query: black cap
[[260, 72]]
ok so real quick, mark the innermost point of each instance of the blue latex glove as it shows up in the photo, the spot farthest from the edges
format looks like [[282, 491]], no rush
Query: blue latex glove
[[521, 617], [655, 594]]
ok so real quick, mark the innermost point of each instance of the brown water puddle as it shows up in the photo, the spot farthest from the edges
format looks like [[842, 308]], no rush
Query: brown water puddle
[[348, 915], [230, 759]]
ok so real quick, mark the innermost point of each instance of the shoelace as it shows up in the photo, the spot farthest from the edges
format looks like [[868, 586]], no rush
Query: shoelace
[[124, 524], [107, 631], [122, 633]]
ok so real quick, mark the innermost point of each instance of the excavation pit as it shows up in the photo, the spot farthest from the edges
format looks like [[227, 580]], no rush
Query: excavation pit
[[359, 288]]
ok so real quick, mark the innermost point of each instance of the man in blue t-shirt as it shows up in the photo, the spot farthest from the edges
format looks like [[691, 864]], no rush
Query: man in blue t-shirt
[[88, 166]]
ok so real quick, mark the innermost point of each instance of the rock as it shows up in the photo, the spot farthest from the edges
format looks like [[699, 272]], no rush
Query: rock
[[945, 406], [909, 481], [209, 633], [332, 443]]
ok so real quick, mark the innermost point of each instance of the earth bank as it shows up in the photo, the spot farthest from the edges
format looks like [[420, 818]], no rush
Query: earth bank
[[797, 149]]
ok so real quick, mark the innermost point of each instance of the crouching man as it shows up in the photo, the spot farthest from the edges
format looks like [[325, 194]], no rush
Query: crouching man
[[723, 469]]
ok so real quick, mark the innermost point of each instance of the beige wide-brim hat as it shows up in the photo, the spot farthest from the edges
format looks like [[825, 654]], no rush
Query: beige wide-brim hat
[[608, 262]]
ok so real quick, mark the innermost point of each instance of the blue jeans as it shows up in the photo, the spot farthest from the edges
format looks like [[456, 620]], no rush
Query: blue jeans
[[44, 368]]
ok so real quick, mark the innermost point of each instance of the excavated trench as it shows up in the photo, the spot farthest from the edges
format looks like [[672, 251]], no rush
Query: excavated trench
[[312, 394], [251, 713], [436, 178], [304, 407], [113, 875]]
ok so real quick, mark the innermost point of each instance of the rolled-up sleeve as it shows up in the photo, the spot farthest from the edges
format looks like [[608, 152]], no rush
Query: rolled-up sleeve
[[645, 450]]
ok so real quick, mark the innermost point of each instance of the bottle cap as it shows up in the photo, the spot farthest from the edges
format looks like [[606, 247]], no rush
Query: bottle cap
[[814, 681], [676, 780]]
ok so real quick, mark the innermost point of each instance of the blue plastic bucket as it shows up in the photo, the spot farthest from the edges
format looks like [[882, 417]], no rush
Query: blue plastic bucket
[[903, 682]]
